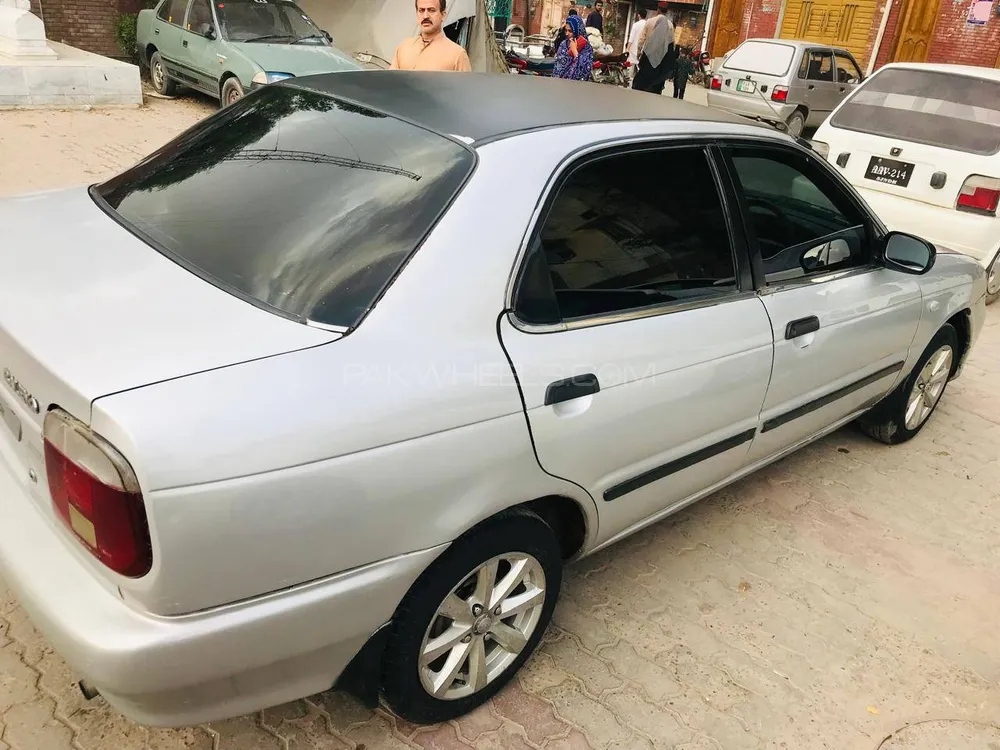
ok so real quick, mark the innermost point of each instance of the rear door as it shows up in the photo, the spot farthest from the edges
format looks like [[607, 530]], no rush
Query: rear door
[[842, 325], [919, 134], [641, 349]]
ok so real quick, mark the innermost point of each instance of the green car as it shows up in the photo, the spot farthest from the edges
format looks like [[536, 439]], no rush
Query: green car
[[228, 47]]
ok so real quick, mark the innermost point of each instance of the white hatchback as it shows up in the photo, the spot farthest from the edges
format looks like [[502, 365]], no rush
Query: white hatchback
[[922, 144]]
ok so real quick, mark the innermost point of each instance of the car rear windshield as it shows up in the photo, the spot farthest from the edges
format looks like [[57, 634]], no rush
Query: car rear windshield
[[921, 106], [293, 200], [765, 58]]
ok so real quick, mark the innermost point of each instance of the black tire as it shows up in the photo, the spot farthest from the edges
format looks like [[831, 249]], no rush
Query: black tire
[[158, 75], [511, 532], [232, 91], [887, 421], [796, 124]]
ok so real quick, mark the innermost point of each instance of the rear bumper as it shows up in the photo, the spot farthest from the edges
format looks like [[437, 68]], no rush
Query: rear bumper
[[174, 671], [748, 106], [973, 235]]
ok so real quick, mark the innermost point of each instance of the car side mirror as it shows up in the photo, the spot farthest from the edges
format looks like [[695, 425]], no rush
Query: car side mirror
[[329, 36], [907, 254], [208, 31]]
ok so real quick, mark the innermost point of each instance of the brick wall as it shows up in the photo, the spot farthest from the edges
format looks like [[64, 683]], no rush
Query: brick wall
[[87, 24], [760, 19]]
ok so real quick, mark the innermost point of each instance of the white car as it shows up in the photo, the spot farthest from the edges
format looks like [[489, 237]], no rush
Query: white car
[[922, 144]]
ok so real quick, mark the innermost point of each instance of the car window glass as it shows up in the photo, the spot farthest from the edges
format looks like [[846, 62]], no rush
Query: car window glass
[[766, 58], [803, 224], [172, 11], [635, 230], [819, 65], [199, 16], [924, 106], [299, 202], [270, 20], [847, 69]]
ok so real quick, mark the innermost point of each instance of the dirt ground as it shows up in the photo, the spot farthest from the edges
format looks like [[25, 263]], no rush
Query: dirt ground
[[844, 598]]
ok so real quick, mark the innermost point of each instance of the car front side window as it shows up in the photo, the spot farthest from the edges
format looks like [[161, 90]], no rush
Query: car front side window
[[847, 69], [199, 18], [172, 11], [629, 231], [803, 223]]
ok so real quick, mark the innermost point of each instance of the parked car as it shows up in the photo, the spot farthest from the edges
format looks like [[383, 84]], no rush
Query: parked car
[[226, 49], [792, 84], [310, 415], [921, 142]]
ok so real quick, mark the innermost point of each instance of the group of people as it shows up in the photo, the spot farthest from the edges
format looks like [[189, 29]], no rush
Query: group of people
[[651, 48]]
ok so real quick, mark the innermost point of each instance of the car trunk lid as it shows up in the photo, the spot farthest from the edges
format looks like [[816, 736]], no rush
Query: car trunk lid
[[755, 68]]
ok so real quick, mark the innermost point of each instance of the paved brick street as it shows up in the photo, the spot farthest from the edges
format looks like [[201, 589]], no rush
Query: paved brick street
[[845, 594]]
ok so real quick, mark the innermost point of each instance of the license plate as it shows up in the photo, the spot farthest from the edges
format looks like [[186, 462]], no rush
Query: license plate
[[11, 420], [747, 87], [889, 171]]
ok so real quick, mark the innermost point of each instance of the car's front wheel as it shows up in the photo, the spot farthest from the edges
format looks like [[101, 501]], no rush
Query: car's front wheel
[[472, 619], [232, 91], [902, 415], [158, 75]]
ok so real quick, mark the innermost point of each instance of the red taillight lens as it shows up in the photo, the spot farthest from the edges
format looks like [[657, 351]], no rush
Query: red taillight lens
[[717, 82], [97, 496], [627, 63], [779, 94], [979, 195], [597, 65]]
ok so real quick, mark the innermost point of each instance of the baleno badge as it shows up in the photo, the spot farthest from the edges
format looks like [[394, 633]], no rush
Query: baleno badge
[[21, 392]]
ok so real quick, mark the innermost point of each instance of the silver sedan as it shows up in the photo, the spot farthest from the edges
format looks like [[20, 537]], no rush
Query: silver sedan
[[327, 390]]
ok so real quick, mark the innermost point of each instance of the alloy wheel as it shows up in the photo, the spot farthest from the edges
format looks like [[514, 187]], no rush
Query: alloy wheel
[[482, 626], [929, 386], [158, 75]]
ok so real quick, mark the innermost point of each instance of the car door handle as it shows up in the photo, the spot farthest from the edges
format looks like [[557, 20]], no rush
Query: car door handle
[[570, 388], [801, 327], [812, 87], [184, 43], [156, 31]]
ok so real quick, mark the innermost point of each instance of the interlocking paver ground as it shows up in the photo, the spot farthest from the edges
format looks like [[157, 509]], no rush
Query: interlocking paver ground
[[829, 601]]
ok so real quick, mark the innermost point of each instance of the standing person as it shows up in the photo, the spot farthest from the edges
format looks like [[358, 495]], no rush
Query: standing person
[[656, 52], [633, 41], [682, 71], [431, 49], [596, 17], [561, 34], [575, 56]]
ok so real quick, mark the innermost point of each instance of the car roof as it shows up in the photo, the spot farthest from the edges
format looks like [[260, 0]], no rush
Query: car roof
[[793, 43], [480, 107], [971, 71]]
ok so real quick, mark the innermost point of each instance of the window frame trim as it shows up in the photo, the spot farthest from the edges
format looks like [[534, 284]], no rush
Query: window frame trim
[[165, 5], [875, 228], [593, 152]]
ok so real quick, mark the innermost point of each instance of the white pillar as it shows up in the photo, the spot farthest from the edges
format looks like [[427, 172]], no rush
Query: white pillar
[[22, 34]]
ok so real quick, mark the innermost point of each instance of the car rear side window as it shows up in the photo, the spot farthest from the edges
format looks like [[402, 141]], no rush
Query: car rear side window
[[930, 107], [765, 58], [293, 200], [621, 234], [172, 11]]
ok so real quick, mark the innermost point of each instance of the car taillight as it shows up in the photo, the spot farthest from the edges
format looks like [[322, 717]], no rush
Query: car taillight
[[597, 64], [716, 82], [779, 94], [980, 195], [96, 494]]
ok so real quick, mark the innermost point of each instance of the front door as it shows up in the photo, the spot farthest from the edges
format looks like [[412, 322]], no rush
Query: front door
[[642, 351], [821, 93], [842, 325], [726, 31], [916, 31], [200, 53], [167, 32]]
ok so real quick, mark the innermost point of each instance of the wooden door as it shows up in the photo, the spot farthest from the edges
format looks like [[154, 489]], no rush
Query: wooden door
[[837, 23], [726, 29], [916, 30]]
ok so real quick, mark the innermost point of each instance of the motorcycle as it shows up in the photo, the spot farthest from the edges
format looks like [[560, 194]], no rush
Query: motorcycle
[[612, 70]]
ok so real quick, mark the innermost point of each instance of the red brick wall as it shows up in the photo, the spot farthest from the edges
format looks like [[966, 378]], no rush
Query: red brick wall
[[87, 24], [956, 40], [760, 18]]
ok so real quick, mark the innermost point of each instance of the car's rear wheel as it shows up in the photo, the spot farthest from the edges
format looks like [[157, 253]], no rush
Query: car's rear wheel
[[993, 280], [796, 123], [904, 413], [472, 619], [158, 75], [232, 91]]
